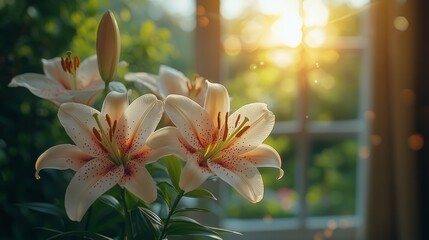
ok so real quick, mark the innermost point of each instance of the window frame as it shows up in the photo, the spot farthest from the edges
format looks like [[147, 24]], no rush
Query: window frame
[[302, 130]]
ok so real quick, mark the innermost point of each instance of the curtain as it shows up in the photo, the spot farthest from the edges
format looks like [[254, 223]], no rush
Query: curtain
[[393, 204]]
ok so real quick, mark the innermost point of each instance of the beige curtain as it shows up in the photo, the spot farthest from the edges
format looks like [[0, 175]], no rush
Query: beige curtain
[[393, 206]]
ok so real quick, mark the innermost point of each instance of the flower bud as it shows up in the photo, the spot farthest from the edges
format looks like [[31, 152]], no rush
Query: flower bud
[[108, 46]]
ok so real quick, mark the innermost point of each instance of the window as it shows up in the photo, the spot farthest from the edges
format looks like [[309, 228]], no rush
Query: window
[[309, 61]]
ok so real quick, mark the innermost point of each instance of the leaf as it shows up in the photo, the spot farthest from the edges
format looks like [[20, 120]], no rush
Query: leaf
[[191, 210], [47, 208], [143, 226], [154, 218], [224, 230], [111, 201], [200, 193], [79, 234], [187, 226], [174, 169]]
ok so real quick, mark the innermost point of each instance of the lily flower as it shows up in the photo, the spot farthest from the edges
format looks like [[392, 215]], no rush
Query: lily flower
[[214, 142], [65, 80], [110, 149], [171, 81]]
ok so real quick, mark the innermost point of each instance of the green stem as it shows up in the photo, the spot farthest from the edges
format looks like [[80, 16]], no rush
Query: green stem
[[106, 89], [128, 233], [172, 210]]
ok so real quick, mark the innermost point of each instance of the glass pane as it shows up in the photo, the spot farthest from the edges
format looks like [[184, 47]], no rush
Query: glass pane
[[334, 85], [255, 77], [332, 177], [280, 198]]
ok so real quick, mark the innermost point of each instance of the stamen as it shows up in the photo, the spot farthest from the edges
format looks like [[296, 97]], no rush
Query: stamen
[[63, 64], [76, 63], [242, 131], [236, 121], [218, 120], [225, 131], [114, 126], [189, 85], [110, 134], [109, 120], [96, 134]]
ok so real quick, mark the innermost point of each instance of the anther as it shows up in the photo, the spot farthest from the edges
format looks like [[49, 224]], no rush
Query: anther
[[109, 120], [242, 131], [225, 132], [96, 134], [236, 121], [218, 120]]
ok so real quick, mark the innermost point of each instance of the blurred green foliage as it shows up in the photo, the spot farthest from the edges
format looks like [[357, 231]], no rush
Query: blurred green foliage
[[32, 30]]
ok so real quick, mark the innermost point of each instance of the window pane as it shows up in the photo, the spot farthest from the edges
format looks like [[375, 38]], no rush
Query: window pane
[[334, 85], [332, 177], [280, 198]]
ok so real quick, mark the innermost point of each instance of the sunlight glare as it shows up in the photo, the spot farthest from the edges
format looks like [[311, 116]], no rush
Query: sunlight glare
[[287, 30], [315, 38], [274, 7], [315, 13]]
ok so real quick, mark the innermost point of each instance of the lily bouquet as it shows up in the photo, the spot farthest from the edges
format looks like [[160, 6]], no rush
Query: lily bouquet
[[123, 158]]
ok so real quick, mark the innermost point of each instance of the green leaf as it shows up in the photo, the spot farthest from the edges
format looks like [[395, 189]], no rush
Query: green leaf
[[79, 234], [143, 226], [200, 193], [111, 201], [224, 230], [47, 208], [153, 217], [186, 226], [191, 210], [174, 169]]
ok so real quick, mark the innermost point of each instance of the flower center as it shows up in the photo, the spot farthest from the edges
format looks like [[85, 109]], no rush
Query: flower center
[[70, 66], [106, 139], [214, 150], [195, 87]]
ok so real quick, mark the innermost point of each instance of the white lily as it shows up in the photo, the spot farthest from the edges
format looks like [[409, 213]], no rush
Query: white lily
[[171, 81], [213, 142], [110, 149], [65, 80]]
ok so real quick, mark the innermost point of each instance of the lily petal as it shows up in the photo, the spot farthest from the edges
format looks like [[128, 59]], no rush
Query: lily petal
[[168, 141], [261, 122], [53, 70], [90, 182], [147, 79], [78, 121], [138, 122], [39, 85], [217, 101], [88, 74], [65, 156], [193, 175], [264, 156], [138, 181], [241, 175], [114, 104], [172, 81], [193, 122]]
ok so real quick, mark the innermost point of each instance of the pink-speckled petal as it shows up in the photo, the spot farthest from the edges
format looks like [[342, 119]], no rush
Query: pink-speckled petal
[[138, 122], [264, 156], [241, 175], [168, 141], [193, 174], [193, 122], [216, 102], [65, 156], [53, 70], [138, 181], [90, 182], [171, 81], [78, 121], [261, 122]]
